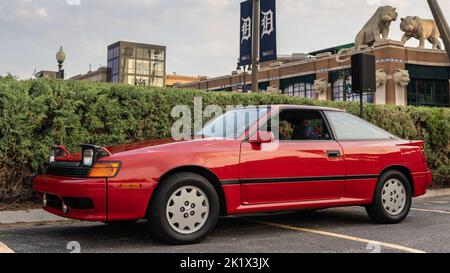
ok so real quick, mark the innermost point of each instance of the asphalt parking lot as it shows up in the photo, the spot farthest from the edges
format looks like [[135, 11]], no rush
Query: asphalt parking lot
[[347, 230]]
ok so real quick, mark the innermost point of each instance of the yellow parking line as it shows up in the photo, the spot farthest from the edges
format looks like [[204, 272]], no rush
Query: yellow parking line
[[340, 236], [434, 211], [5, 249]]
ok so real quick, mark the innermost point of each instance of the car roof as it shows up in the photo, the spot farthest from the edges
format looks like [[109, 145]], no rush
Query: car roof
[[297, 107]]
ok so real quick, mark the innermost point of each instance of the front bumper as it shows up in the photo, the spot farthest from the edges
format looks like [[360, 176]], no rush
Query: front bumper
[[85, 198]]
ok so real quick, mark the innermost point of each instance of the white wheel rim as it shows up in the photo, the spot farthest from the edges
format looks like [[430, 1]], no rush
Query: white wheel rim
[[187, 210], [394, 197]]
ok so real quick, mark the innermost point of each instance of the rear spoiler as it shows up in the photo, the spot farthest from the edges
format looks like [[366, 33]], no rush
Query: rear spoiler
[[418, 143]]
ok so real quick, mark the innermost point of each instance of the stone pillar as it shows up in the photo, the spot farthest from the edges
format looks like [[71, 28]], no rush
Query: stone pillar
[[401, 79], [380, 95], [321, 88]]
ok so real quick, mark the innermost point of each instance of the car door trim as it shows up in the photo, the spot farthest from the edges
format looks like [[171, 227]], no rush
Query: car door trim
[[298, 179]]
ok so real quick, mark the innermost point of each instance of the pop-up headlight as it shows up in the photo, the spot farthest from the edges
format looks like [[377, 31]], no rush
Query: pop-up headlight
[[88, 157]]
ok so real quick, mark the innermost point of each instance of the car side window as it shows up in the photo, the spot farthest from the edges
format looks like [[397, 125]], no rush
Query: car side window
[[348, 127], [298, 125]]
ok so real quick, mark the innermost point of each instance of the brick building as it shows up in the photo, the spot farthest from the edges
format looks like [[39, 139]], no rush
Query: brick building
[[429, 73]]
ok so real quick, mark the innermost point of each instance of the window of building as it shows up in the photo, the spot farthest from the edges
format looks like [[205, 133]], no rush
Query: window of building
[[341, 83], [157, 55], [348, 127], [131, 66], [130, 79], [159, 82], [143, 53], [429, 86], [142, 67], [157, 68], [302, 87]]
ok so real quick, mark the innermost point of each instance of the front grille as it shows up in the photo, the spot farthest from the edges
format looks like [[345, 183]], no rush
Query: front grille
[[68, 169], [54, 202]]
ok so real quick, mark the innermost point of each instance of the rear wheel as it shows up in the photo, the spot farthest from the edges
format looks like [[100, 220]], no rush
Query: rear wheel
[[184, 210], [392, 200]]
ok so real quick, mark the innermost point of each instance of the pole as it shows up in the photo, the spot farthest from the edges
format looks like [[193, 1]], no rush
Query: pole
[[255, 38], [442, 24], [361, 105], [245, 83]]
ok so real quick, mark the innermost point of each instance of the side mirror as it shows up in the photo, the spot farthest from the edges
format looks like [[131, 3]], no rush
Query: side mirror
[[262, 137]]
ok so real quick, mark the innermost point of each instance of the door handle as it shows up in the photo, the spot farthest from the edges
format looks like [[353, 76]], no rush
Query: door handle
[[333, 154]]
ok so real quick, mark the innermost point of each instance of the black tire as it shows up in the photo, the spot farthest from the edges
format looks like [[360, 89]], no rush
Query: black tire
[[376, 210], [157, 219]]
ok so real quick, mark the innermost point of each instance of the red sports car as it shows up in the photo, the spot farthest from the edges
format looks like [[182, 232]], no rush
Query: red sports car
[[277, 158]]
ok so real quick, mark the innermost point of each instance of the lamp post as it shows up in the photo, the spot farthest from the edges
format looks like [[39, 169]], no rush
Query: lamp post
[[245, 69], [442, 24], [255, 70], [60, 58]]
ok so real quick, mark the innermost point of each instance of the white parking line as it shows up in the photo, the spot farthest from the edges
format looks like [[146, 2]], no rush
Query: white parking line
[[340, 236], [430, 210], [5, 249]]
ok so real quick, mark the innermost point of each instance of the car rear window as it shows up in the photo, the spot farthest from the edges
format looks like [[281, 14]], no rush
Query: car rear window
[[349, 127]]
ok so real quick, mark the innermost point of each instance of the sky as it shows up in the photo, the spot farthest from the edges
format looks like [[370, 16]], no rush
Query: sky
[[202, 36]]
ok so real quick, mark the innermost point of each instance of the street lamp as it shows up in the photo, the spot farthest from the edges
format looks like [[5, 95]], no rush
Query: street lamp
[[60, 58]]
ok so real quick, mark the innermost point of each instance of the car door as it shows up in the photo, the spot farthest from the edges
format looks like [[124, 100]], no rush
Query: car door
[[368, 151], [307, 164]]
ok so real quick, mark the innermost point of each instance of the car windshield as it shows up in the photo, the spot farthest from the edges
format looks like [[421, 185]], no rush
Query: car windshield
[[233, 123]]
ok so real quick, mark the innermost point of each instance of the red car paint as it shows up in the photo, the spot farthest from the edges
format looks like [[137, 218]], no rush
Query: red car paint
[[297, 175]]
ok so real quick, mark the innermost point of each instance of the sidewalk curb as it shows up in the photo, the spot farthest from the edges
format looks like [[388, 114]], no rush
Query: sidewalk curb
[[28, 216], [436, 193]]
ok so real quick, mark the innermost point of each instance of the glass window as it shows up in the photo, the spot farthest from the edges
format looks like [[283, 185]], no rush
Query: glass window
[[131, 80], [157, 55], [142, 53], [142, 80], [423, 92], [158, 82], [295, 125], [233, 124], [158, 69], [348, 127], [131, 67], [299, 87], [128, 52], [142, 67], [116, 52]]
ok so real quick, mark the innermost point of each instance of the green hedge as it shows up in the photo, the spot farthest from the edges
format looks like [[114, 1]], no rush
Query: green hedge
[[37, 114]]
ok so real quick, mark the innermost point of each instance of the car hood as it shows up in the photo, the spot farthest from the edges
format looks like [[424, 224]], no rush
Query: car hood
[[139, 145]]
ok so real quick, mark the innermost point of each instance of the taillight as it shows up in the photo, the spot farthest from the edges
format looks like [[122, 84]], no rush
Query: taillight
[[423, 154], [105, 169]]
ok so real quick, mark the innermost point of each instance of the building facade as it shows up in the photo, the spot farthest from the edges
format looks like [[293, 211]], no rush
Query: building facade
[[100, 75], [137, 64], [175, 79], [412, 76]]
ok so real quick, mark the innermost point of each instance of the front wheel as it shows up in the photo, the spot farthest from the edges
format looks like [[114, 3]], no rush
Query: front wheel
[[184, 210], [392, 200]]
